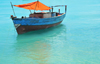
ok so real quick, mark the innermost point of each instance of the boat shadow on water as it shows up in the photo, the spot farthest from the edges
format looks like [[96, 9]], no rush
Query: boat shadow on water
[[44, 33]]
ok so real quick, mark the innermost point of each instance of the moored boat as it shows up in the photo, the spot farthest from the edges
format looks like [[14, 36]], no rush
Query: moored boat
[[37, 20]]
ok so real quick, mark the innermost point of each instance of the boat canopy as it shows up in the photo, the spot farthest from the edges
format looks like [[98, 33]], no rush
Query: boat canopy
[[34, 6]]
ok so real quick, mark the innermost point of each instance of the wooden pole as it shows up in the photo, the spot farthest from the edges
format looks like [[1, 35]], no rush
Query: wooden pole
[[52, 8], [65, 8], [30, 11], [59, 10], [12, 8], [36, 5]]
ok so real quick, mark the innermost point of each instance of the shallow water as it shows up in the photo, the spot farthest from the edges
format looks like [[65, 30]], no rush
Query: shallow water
[[75, 41]]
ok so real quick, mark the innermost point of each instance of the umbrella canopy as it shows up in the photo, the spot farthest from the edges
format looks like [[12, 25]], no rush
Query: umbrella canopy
[[34, 6]]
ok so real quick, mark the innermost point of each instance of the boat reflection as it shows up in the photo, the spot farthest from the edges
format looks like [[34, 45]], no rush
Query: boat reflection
[[42, 34], [37, 45]]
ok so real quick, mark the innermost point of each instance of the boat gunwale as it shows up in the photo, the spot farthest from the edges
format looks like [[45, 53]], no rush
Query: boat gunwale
[[38, 18]]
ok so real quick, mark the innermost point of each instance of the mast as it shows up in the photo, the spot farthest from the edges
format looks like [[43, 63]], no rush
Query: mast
[[12, 8]]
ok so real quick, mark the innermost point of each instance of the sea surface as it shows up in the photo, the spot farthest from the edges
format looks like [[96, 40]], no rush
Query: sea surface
[[75, 41]]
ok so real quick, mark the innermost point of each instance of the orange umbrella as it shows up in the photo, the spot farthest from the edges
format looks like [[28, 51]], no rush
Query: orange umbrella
[[34, 6]]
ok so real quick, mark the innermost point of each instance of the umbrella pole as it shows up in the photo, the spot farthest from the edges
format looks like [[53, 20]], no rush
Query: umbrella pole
[[36, 6], [30, 11], [12, 8]]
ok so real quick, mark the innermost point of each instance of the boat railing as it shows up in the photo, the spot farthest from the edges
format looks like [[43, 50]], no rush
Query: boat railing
[[59, 6]]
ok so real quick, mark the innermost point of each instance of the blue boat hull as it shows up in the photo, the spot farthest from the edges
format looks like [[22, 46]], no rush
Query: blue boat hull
[[23, 25]]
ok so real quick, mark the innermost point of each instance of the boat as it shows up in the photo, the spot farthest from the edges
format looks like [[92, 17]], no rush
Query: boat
[[37, 20]]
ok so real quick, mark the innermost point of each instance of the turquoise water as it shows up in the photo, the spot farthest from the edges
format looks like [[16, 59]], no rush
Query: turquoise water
[[75, 41]]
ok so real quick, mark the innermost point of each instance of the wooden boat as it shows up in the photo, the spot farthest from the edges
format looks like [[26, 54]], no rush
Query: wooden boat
[[37, 20]]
